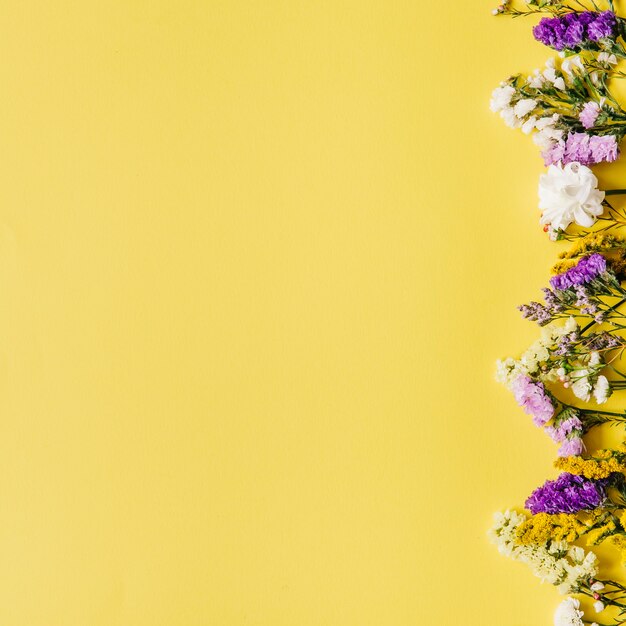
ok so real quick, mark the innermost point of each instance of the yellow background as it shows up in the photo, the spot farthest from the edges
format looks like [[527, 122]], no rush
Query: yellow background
[[257, 259]]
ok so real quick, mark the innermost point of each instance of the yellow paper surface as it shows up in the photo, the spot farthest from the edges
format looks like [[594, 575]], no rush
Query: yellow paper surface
[[256, 262]]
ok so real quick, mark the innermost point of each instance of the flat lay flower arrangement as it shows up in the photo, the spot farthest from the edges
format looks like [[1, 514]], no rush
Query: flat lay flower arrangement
[[563, 380]]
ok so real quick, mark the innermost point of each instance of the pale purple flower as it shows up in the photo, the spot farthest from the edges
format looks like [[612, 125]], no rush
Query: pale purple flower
[[536, 312], [589, 114], [603, 149], [533, 398], [602, 341], [571, 447], [569, 426], [554, 154], [582, 148]]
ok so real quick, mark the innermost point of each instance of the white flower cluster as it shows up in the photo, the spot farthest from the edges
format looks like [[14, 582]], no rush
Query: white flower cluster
[[584, 380], [515, 115], [520, 111], [537, 354], [566, 567]]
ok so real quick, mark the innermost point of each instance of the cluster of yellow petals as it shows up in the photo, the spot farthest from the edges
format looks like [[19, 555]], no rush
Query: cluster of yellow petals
[[605, 463], [561, 267], [599, 534], [619, 542], [543, 527], [594, 242]]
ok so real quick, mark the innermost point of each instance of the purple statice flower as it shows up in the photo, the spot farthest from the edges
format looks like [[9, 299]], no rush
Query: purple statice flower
[[571, 447], [590, 149], [533, 398], [585, 300], [582, 148], [602, 341], [568, 430], [604, 26], [552, 300], [551, 32], [589, 114], [603, 149], [572, 426], [583, 272], [554, 154], [567, 494], [567, 343], [536, 312], [574, 31]]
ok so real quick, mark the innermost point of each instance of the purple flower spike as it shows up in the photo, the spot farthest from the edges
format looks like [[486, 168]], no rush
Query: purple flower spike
[[573, 31], [567, 494], [584, 271], [603, 27]]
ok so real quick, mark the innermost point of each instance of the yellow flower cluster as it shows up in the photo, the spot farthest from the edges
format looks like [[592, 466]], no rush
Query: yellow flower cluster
[[599, 534], [594, 242], [619, 542], [562, 266], [605, 463], [543, 527], [618, 264]]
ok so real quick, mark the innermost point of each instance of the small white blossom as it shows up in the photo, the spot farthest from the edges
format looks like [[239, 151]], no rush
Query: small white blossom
[[598, 606], [550, 74], [524, 107], [606, 58], [509, 117], [536, 79], [501, 98], [597, 586], [581, 385], [559, 83], [572, 63], [529, 125]]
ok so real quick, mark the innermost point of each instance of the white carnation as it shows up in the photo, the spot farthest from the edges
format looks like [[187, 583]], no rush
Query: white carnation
[[569, 193], [602, 390], [568, 613]]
